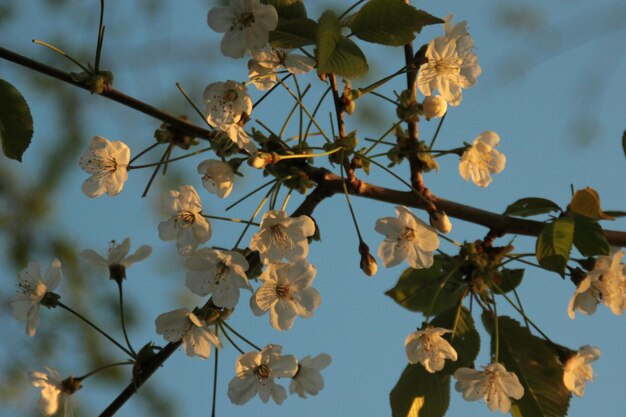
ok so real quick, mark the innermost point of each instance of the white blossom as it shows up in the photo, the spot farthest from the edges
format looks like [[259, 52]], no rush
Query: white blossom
[[217, 177], [286, 292], [53, 392], [219, 273], [429, 348], [494, 384], [439, 220], [31, 289], [107, 163], [246, 23], [256, 372], [481, 159], [263, 67], [186, 223], [451, 66], [406, 237], [117, 259], [577, 369], [308, 379], [281, 236], [434, 107], [183, 325]]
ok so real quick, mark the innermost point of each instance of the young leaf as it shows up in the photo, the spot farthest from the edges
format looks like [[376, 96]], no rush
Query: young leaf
[[466, 340], [16, 122], [335, 53], [586, 202], [416, 288], [589, 237], [554, 244], [293, 33], [288, 9], [536, 364], [531, 207], [389, 22], [419, 393], [511, 279]]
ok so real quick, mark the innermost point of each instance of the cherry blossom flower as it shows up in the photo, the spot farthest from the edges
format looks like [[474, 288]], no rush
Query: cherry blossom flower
[[183, 325], [186, 223], [219, 273], [481, 159], [429, 348], [54, 391], [577, 369], [263, 67], [406, 237], [31, 292], [256, 372], [494, 384], [451, 66], [246, 23], [217, 177], [434, 107], [117, 260], [439, 220], [281, 236], [236, 133], [308, 379], [286, 292], [586, 298], [107, 163]]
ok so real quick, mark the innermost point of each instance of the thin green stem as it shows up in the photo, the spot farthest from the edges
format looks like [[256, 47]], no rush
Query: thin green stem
[[441, 285], [192, 104], [230, 219], [251, 193], [178, 158], [62, 53], [223, 323], [315, 110], [256, 212], [287, 197], [311, 117], [497, 328], [217, 352], [432, 142], [345, 191], [101, 29], [521, 307], [103, 333], [149, 148], [300, 112], [374, 93], [82, 378], [310, 155], [232, 342], [121, 295], [268, 92], [379, 140], [156, 171]]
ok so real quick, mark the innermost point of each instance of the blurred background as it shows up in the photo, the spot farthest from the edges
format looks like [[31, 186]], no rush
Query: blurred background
[[552, 86]]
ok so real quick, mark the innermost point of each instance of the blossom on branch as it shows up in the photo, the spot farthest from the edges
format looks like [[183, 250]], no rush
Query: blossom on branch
[[451, 64], [265, 63], [286, 292], [429, 348], [117, 260], [219, 273], [246, 25], [577, 369], [494, 384], [186, 223], [54, 391], [282, 237], [481, 159], [217, 177], [31, 290], [434, 107], [256, 372], [107, 163], [308, 379], [406, 238], [183, 325]]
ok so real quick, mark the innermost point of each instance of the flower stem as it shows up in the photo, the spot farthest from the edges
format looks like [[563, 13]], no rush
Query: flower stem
[[121, 294], [232, 342], [81, 378], [101, 29], [264, 96], [223, 323], [315, 110], [441, 285], [149, 148], [256, 212], [62, 53], [129, 353], [345, 191], [156, 171], [230, 219], [379, 140], [497, 327], [251, 193], [217, 352], [432, 142], [192, 104], [311, 117], [178, 158]]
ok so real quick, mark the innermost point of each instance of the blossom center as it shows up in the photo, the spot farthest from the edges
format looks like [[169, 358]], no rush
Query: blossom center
[[448, 66], [242, 21], [282, 291], [262, 372], [279, 237], [184, 218], [221, 270], [100, 165], [407, 234]]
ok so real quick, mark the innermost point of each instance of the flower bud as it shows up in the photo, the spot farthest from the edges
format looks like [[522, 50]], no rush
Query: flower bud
[[368, 262], [439, 220], [260, 160], [434, 107]]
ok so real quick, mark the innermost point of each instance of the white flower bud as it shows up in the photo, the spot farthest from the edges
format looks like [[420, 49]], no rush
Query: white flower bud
[[434, 107], [439, 220], [259, 160], [368, 265]]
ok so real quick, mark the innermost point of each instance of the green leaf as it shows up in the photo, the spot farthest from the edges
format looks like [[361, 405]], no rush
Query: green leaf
[[554, 244], [389, 22], [536, 364], [589, 237], [419, 393], [510, 279], [531, 207], [416, 288], [335, 53], [466, 339], [294, 33], [16, 122], [288, 9]]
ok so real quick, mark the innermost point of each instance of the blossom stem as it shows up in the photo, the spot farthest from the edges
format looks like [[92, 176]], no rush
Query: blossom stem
[[156, 171], [379, 140], [121, 294], [62, 53], [103, 333], [101, 29], [497, 327], [517, 258], [446, 238], [230, 219], [256, 212], [443, 283], [300, 112], [315, 110], [232, 342], [309, 155], [178, 158], [217, 352], [345, 191], [239, 335], [192, 104], [394, 102], [458, 312], [81, 378], [251, 193], [270, 91], [432, 142], [311, 117], [521, 307], [149, 148], [287, 197], [370, 88]]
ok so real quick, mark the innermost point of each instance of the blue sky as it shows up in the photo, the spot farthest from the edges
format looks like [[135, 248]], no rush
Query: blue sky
[[560, 120]]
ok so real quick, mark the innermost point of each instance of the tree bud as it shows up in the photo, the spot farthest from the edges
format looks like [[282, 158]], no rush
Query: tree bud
[[260, 160], [439, 220], [368, 263], [434, 107]]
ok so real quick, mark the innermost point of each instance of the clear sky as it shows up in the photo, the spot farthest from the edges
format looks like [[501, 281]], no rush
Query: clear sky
[[551, 87]]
